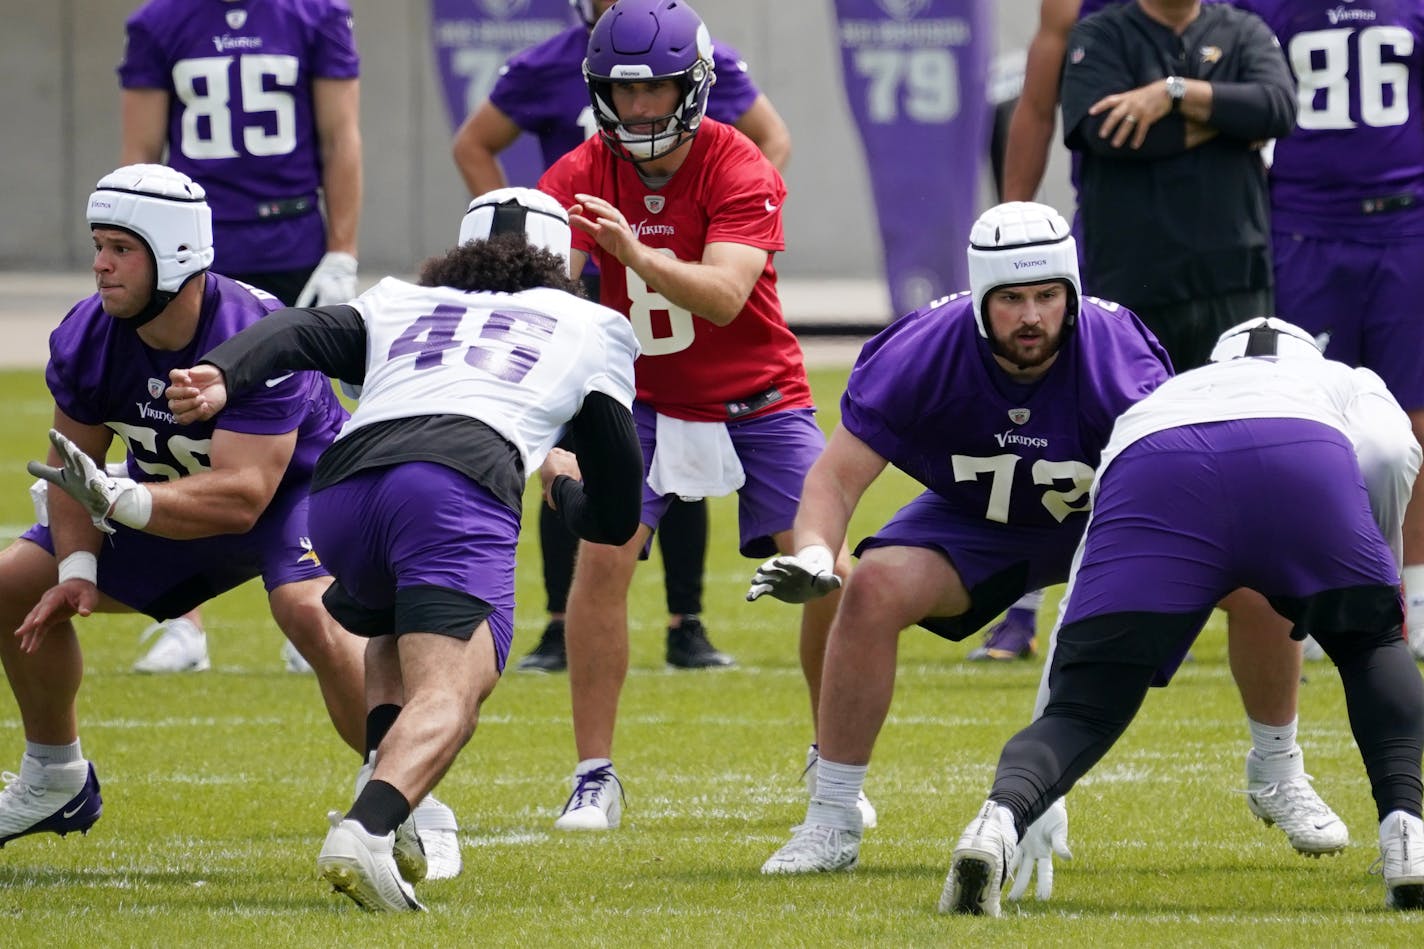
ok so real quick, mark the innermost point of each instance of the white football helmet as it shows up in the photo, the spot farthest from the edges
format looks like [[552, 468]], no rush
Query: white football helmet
[[536, 215], [1017, 243], [1264, 336], [167, 210]]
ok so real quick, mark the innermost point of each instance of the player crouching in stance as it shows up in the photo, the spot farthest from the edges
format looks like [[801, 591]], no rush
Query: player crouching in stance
[[208, 506], [468, 380], [1267, 430]]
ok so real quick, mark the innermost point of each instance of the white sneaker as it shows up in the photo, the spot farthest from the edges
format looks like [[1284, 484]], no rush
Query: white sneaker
[[1402, 860], [293, 660], [596, 802], [181, 647], [817, 847], [1312, 651], [363, 866], [57, 798], [408, 848], [440, 833], [1278, 791], [980, 863], [868, 817], [1416, 642]]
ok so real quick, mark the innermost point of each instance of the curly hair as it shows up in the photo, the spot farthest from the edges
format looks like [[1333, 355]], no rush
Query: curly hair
[[505, 263]]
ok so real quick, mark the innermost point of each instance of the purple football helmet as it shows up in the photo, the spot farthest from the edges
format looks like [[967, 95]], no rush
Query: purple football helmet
[[643, 40]]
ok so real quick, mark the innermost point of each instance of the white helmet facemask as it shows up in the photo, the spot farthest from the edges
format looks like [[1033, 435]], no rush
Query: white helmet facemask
[[1021, 243]]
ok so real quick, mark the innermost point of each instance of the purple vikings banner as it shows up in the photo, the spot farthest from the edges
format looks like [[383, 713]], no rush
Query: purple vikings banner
[[915, 74], [472, 40]]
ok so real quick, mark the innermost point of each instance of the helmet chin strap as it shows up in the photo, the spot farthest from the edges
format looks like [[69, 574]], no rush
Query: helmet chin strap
[[157, 304]]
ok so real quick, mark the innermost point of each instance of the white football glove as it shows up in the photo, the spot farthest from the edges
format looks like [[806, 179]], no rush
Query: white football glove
[[1044, 838], [333, 281], [127, 501], [808, 575], [39, 491]]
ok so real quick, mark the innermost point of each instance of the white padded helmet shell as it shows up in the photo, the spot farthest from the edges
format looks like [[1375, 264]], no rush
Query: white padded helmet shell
[[1265, 336], [1021, 242], [167, 210], [525, 211]]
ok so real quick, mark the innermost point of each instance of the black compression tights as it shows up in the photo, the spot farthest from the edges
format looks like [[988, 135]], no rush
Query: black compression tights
[[1385, 698]]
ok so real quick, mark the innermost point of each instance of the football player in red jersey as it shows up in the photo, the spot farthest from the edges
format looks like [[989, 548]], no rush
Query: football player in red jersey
[[682, 214]]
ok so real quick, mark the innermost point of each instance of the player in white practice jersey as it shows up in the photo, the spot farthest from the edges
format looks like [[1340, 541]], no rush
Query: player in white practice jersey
[[468, 380]]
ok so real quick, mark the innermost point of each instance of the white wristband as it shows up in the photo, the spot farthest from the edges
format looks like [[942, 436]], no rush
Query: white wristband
[[133, 507], [80, 565], [819, 557]]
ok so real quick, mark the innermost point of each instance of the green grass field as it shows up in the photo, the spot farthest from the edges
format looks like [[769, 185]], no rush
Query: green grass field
[[216, 786]]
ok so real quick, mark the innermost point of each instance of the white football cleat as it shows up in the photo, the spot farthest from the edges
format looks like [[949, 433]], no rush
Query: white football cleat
[[817, 846], [294, 661], [181, 647], [440, 833], [1416, 643], [596, 802], [363, 867], [1402, 860], [980, 863], [1278, 792], [409, 848], [56, 799]]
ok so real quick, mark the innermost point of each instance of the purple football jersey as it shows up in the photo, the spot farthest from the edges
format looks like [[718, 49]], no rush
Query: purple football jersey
[[1354, 166], [543, 91], [101, 373], [927, 396], [1089, 7], [241, 120]]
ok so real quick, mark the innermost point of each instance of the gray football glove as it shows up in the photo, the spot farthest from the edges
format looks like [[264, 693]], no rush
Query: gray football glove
[[84, 480], [1045, 837], [808, 575]]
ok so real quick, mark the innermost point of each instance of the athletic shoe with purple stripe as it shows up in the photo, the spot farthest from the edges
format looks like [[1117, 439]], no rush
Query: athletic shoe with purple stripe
[[44, 799]]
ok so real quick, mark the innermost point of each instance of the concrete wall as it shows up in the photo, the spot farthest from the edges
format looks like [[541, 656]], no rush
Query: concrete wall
[[59, 126]]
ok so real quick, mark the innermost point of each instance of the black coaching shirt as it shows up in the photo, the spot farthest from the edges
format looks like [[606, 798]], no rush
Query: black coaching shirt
[[1167, 224]]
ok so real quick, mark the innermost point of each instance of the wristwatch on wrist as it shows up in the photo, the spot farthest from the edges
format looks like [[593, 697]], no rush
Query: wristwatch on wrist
[[1176, 91]]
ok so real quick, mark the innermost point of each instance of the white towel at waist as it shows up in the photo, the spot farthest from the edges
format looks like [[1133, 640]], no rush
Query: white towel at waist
[[694, 460]]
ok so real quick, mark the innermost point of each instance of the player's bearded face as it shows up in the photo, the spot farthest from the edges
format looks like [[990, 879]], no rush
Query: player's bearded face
[[123, 272], [1026, 324], [645, 107]]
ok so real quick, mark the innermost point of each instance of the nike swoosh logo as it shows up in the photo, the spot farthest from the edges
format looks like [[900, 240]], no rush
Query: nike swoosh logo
[[68, 814], [770, 207], [279, 380]]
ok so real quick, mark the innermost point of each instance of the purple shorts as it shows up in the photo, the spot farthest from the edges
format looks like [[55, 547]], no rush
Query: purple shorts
[[997, 563], [775, 450], [390, 534], [1366, 296], [1186, 515], [166, 578]]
